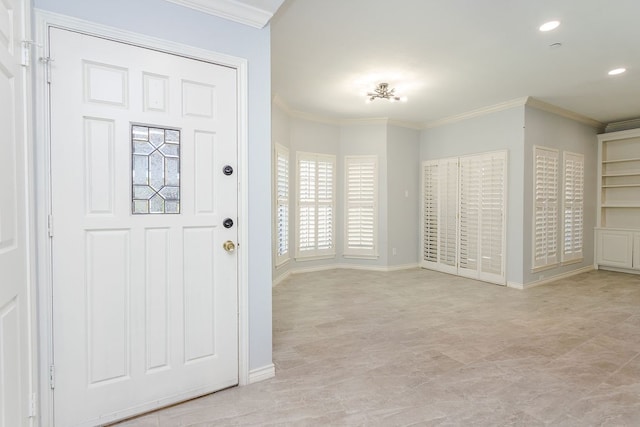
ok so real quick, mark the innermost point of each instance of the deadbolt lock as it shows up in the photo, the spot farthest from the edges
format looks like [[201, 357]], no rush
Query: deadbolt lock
[[229, 246]]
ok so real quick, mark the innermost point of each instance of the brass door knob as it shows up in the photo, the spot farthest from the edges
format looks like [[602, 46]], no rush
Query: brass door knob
[[229, 246]]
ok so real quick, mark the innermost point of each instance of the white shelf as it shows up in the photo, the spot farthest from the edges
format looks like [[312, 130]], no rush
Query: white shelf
[[620, 205], [620, 185], [621, 174], [637, 159]]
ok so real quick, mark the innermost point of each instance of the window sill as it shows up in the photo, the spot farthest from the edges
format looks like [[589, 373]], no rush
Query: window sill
[[352, 256], [282, 263], [314, 257], [572, 261], [545, 267]]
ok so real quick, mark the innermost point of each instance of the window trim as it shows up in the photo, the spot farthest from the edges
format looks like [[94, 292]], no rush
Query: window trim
[[550, 261], [373, 252], [281, 259], [314, 254], [577, 256]]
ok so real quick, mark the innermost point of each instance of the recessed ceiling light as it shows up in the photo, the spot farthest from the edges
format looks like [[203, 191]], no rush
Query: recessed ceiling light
[[617, 71], [548, 26]]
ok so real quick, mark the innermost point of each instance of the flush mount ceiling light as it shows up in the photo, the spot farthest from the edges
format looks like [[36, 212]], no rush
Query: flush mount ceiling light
[[548, 26], [382, 91], [617, 71]]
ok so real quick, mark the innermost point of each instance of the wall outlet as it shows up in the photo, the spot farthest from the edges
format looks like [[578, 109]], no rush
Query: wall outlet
[[394, 251]]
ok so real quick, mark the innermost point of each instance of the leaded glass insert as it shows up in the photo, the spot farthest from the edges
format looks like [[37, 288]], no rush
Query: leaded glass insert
[[155, 170]]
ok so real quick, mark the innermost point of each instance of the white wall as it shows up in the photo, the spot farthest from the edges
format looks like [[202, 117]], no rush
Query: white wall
[[550, 130], [168, 21], [496, 131], [403, 176]]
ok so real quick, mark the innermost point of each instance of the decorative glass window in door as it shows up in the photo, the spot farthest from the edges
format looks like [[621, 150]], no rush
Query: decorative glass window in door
[[155, 170]]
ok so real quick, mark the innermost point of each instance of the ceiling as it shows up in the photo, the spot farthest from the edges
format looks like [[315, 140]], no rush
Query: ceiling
[[450, 57]]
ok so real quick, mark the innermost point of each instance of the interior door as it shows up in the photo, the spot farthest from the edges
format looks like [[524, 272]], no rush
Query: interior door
[[15, 358], [144, 197]]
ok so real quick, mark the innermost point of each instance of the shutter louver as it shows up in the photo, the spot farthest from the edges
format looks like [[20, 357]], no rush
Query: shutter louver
[[573, 207], [430, 213], [545, 231], [361, 206], [470, 195], [447, 215], [464, 205], [316, 204], [282, 204], [492, 222]]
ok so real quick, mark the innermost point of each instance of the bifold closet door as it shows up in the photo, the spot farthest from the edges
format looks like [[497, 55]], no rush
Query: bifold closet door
[[464, 216], [482, 217]]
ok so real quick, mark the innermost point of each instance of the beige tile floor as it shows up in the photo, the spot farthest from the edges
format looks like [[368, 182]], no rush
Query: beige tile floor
[[417, 347]]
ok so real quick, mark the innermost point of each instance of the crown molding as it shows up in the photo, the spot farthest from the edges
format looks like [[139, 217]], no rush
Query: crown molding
[[231, 10], [519, 102], [528, 101], [559, 111], [282, 104]]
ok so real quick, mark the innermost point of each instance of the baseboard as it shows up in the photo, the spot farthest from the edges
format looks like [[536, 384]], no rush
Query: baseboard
[[261, 374], [384, 269], [568, 274], [281, 278]]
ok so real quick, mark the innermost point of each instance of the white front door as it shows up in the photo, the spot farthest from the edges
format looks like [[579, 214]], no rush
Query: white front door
[[144, 195], [15, 359]]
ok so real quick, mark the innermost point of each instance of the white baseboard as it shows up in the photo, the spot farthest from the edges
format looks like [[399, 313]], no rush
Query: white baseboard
[[261, 374], [289, 273], [521, 286]]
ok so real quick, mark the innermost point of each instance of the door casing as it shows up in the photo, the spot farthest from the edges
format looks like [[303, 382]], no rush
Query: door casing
[[43, 21]]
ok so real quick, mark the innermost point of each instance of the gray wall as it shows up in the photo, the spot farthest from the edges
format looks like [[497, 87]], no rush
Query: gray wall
[[497, 131], [397, 149], [403, 176], [365, 140], [168, 21], [311, 137], [550, 130]]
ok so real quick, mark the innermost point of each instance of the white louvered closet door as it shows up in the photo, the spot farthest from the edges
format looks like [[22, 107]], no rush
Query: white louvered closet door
[[430, 214], [464, 211], [482, 218], [447, 215], [493, 217], [470, 199]]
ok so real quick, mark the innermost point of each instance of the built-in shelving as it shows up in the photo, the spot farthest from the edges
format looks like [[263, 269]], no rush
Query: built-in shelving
[[618, 230]]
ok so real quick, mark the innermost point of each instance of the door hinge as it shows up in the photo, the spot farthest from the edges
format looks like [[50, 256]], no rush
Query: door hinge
[[47, 67], [50, 225], [52, 377], [33, 406], [26, 51]]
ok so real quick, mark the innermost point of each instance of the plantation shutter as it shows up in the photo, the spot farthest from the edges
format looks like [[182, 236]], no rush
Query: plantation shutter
[[315, 205], [282, 204], [430, 214], [493, 217], [482, 216], [545, 226], [361, 206], [447, 214], [325, 204], [573, 207], [470, 199], [464, 216]]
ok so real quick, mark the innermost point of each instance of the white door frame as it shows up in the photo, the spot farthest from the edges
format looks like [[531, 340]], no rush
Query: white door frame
[[43, 21]]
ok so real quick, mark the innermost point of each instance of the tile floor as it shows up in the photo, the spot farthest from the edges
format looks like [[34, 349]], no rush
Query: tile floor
[[416, 347]]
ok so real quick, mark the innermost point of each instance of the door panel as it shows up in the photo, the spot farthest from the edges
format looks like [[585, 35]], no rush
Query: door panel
[[15, 335], [145, 296]]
